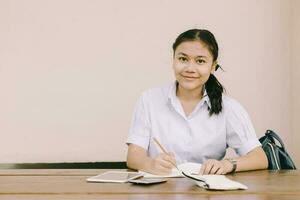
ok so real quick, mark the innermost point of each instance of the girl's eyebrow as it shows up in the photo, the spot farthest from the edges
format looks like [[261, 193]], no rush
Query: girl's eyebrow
[[180, 53]]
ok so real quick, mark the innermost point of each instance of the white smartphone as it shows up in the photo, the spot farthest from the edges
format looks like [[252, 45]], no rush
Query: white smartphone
[[148, 181], [115, 177]]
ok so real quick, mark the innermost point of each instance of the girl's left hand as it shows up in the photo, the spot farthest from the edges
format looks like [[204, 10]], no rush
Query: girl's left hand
[[212, 166]]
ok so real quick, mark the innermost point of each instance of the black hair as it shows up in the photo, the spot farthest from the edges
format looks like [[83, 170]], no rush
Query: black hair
[[213, 87]]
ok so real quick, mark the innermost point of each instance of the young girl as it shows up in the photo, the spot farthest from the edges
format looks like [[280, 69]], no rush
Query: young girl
[[191, 118]]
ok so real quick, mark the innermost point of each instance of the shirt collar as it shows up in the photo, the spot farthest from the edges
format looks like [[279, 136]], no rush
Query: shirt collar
[[206, 98], [172, 92], [172, 95]]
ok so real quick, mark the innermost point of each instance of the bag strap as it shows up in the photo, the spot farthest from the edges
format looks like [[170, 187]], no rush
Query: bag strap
[[272, 134]]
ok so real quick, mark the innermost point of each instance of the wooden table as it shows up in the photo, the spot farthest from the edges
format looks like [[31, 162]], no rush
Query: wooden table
[[70, 184]]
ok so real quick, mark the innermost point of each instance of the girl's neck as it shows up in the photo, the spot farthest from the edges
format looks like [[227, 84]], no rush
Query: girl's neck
[[189, 95]]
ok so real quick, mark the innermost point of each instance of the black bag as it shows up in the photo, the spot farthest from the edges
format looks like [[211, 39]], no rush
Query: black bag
[[278, 157]]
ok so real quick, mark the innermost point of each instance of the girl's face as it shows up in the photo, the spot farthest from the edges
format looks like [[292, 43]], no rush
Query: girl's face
[[192, 63]]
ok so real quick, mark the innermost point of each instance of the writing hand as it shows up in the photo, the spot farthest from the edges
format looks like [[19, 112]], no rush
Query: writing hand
[[163, 164]]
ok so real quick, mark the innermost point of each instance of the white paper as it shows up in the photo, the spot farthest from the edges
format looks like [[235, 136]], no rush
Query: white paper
[[218, 182], [189, 168]]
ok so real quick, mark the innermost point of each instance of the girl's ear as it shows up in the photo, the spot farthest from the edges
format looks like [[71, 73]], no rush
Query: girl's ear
[[213, 67]]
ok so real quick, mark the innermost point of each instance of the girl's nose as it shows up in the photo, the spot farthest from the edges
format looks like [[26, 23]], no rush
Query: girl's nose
[[190, 67]]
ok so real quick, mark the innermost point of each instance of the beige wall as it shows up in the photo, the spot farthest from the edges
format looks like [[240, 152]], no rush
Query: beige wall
[[71, 70], [296, 79]]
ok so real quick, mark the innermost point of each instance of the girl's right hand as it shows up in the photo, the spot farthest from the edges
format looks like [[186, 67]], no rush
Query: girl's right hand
[[163, 164]]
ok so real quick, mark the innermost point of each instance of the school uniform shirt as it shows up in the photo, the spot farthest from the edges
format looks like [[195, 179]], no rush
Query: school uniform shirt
[[193, 138]]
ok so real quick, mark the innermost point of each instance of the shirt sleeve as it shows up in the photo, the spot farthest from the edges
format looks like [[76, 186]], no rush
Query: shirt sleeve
[[240, 133], [139, 132]]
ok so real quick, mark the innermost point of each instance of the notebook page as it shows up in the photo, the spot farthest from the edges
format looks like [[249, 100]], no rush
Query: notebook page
[[218, 182], [190, 168]]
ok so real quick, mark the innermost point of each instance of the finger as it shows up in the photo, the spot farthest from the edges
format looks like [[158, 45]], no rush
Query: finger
[[171, 154], [214, 168], [170, 159], [203, 166], [166, 164], [160, 168], [208, 168], [166, 170], [173, 159], [160, 161], [220, 171]]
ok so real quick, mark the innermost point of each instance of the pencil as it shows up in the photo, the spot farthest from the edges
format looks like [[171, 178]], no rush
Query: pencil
[[164, 150], [160, 146]]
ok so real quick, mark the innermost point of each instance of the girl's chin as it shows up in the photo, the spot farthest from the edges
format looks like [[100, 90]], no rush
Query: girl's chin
[[189, 86]]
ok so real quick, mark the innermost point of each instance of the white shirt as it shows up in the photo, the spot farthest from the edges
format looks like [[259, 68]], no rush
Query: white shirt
[[194, 138]]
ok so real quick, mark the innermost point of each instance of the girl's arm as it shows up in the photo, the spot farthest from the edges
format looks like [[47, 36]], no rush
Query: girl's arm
[[254, 160], [138, 159]]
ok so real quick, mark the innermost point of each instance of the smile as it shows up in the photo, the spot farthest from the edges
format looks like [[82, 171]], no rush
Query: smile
[[189, 77]]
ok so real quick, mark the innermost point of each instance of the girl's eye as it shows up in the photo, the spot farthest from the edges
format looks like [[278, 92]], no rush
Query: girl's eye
[[201, 61], [182, 59]]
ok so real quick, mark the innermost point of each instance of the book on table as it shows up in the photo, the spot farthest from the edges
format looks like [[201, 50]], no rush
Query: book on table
[[191, 170]]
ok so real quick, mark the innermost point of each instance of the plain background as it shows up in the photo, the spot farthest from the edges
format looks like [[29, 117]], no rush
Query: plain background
[[72, 70]]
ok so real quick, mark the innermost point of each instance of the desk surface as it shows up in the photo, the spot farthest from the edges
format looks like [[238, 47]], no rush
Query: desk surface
[[71, 184]]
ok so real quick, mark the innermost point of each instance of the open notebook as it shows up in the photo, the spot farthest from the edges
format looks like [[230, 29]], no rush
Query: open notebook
[[211, 182], [190, 168], [216, 182]]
